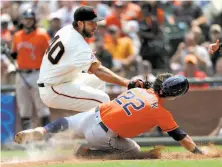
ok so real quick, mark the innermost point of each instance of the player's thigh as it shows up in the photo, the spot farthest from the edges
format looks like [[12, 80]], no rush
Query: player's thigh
[[23, 97], [126, 145], [97, 138], [91, 80], [77, 97], [81, 122]]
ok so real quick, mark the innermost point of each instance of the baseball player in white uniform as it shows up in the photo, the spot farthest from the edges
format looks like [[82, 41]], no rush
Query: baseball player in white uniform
[[70, 76]]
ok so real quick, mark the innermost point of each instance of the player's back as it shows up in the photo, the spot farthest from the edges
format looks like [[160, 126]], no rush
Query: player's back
[[67, 56], [134, 112]]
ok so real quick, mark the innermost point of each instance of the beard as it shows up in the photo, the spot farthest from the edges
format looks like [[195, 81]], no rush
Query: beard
[[29, 29], [86, 33]]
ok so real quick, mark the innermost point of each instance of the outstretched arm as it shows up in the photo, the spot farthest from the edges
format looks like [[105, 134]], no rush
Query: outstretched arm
[[107, 75], [188, 144], [216, 131], [185, 140]]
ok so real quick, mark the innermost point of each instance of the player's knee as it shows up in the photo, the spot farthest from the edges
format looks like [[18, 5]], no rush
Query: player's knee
[[137, 148], [134, 148]]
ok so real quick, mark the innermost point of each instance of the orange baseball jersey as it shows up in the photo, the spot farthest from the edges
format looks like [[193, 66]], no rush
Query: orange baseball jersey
[[30, 48], [134, 112]]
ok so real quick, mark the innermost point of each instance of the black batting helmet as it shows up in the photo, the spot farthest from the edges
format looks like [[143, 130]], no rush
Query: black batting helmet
[[175, 86], [29, 13]]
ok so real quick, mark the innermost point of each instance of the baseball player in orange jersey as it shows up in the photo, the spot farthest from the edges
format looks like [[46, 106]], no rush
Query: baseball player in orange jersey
[[71, 77], [28, 48], [110, 126]]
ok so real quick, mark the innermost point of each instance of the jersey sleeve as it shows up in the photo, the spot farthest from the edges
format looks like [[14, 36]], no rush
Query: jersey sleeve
[[84, 60], [165, 120]]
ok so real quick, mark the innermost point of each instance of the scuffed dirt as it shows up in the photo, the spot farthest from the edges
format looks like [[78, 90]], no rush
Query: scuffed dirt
[[213, 152]]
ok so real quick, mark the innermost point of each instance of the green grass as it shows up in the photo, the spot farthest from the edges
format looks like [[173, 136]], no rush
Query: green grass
[[144, 163]]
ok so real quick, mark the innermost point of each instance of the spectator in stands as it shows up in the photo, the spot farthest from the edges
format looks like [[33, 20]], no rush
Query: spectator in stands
[[103, 55], [43, 13], [55, 24], [102, 33], [198, 35], [154, 9], [123, 11], [6, 34], [131, 11], [103, 10], [15, 16], [131, 28], [214, 34], [190, 13], [121, 48], [189, 46], [114, 18], [66, 12], [191, 71], [152, 38]]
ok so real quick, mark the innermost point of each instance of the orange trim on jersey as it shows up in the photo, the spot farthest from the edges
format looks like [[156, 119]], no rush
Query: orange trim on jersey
[[74, 97]]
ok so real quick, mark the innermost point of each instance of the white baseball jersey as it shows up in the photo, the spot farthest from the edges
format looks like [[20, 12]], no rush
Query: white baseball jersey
[[68, 55]]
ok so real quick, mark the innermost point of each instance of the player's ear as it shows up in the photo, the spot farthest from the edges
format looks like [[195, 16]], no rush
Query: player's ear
[[80, 23]]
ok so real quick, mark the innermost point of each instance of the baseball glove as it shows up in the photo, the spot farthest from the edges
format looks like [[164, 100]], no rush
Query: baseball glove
[[139, 84]]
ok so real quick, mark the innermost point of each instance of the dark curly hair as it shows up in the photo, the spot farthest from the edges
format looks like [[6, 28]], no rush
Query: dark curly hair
[[159, 80]]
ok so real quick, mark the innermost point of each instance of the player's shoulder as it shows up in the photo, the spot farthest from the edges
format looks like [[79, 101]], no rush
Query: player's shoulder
[[69, 34]]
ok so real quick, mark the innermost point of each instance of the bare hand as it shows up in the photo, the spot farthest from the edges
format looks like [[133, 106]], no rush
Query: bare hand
[[214, 47]]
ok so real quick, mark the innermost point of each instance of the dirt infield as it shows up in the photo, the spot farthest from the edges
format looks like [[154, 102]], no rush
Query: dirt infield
[[213, 154]]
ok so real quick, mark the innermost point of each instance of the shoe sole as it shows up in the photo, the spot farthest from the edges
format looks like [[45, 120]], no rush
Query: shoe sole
[[22, 137]]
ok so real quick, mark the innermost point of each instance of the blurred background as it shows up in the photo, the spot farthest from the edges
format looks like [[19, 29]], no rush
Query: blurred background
[[137, 39]]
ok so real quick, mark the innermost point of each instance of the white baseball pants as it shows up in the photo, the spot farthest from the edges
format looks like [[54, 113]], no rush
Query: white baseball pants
[[85, 92], [86, 124]]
